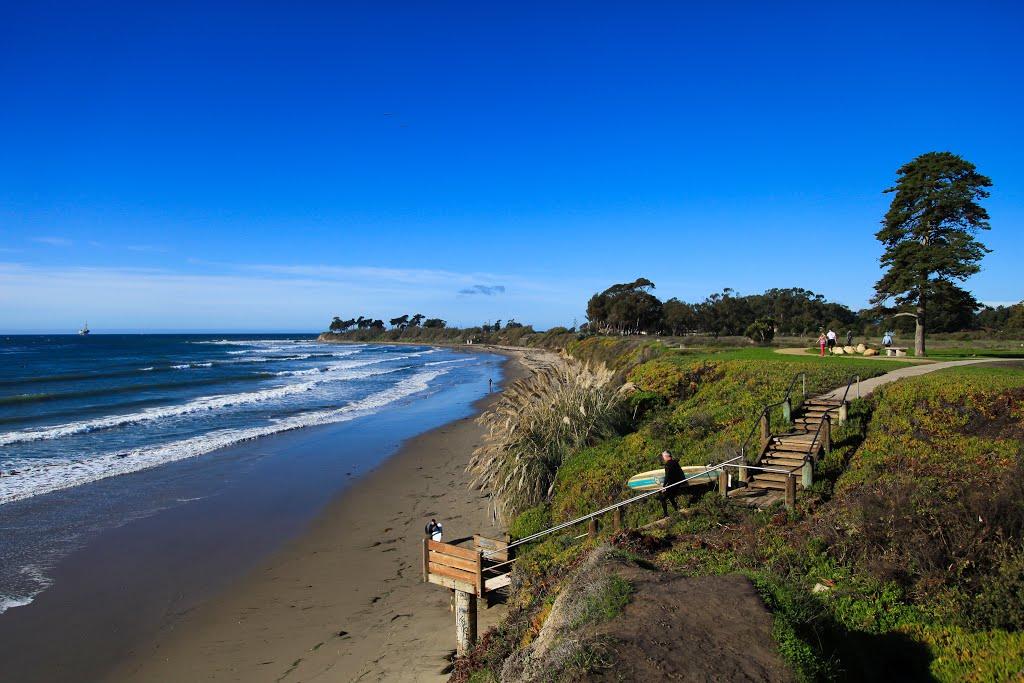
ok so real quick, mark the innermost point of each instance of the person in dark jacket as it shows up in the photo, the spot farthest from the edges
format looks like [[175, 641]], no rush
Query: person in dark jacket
[[673, 475]]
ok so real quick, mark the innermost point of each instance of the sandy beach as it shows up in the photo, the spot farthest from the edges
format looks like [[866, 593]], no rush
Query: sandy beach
[[345, 600]]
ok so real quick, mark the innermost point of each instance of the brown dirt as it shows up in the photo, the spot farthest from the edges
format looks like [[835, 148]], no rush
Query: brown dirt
[[679, 628]]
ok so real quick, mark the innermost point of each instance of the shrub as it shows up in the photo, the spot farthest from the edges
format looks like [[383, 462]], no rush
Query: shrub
[[534, 425], [999, 602], [671, 378], [530, 521], [761, 331]]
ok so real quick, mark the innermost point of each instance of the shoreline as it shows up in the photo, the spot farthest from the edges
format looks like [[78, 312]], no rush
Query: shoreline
[[343, 600]]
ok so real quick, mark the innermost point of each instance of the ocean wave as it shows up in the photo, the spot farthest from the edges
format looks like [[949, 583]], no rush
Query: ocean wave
[[37, 480], [191, 383], [7, 601], [448, 362], [252, 342], [186, 366], [33, 575], [201, 404]]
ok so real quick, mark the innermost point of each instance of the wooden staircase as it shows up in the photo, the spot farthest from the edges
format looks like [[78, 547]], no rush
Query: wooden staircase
[[786, 453]]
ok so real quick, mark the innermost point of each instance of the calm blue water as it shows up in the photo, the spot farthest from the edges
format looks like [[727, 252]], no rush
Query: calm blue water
[[78, 413]]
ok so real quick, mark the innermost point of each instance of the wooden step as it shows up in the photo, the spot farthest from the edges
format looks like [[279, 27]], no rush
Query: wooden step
[[497, 582], [833, 402], [772, 485], [796, 447], [795, 439], [781, 462], [772, 476], [788, 452]]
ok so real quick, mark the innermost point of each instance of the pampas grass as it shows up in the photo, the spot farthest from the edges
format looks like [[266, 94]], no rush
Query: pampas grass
[[535, 424]]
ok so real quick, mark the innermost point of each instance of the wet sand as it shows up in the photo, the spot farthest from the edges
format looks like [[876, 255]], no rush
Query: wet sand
[[345, 600]]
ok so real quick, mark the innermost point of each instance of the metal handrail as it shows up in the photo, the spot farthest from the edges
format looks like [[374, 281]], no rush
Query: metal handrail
[[792, 383], [629, 501], [757, 420]]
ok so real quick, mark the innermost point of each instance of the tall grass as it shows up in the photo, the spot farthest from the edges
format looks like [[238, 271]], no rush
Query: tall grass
[[536, 424]]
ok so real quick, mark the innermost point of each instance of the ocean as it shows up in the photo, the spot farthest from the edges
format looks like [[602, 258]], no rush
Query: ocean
[[98, 430]]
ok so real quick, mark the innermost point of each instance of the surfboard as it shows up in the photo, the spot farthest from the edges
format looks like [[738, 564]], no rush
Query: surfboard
[[655, 479]]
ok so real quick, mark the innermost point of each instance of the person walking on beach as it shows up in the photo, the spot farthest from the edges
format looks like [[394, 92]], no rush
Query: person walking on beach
[[434, 530], [490, 385], [821, 343], [673, 475], [831, 337]]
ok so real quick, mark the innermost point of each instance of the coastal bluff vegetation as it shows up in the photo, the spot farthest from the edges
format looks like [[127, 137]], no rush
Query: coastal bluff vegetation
[[903, 559]]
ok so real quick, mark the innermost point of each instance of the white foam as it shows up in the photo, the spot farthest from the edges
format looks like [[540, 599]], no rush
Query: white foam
[[448, 362], [7, 602], [34, 574], [37, 480], [203, 403], [300, 373]]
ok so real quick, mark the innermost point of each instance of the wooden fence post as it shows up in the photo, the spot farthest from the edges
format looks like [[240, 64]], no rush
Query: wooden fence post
[[765, 429], [827, 428], [617, 519], [480, 573], [465, 622], [807, 473], [592, 527], [787, 411], [426, 559], [790, 492], [723, 483], [843, 412]]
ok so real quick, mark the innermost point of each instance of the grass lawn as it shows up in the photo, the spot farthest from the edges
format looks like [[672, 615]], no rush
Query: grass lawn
[[772, 354]]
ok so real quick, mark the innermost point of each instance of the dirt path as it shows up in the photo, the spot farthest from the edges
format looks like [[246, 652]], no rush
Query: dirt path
[[797, 351]]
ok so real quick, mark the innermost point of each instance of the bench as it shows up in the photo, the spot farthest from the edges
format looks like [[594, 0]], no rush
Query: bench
[[896, 350]]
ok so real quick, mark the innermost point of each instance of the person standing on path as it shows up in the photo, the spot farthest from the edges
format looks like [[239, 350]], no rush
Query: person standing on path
[[831, 337], [849, 337], [821, 343], [673, 475]]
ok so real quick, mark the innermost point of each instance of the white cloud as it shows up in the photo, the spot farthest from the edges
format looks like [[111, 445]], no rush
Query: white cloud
[[263, 296], [53, 241]]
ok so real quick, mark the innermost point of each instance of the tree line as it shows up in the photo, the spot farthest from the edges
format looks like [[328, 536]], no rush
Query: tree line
[[405, 322], [632, 308]]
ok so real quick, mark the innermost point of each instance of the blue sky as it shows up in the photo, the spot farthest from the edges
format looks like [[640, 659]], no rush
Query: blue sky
[[266, 166]]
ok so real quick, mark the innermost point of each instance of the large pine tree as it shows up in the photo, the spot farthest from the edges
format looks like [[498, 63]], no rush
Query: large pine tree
[[929, 232]]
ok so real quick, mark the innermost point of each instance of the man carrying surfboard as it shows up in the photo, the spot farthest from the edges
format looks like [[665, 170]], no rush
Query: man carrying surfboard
[[673, 475]]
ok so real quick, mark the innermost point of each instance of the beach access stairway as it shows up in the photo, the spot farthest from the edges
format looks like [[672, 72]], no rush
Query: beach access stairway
[[804, 443], [786, 441], [764, 472]]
